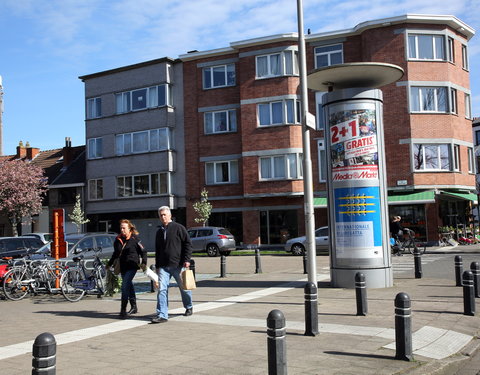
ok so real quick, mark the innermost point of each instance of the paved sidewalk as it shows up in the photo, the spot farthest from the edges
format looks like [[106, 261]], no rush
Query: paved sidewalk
[[227, 333]]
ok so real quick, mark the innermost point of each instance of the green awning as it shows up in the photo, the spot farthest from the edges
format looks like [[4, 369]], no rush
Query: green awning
[[319, 202], [412, 198], [465, 196]]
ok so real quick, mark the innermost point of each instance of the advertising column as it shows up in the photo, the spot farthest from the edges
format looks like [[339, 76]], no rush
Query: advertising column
[[358, 212]]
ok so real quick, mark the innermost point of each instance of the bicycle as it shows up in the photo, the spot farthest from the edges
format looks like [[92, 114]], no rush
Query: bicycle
[[76, 281], [31, 276], [409, 243]]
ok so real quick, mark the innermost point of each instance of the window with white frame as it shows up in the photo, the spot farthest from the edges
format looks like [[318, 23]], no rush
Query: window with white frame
[[219, 76], [470, 160], [148, 97], [95, 148], [328, 55], [280, 112], [453, 100], [468, 106], [428, 99], [95, 189], [322, 161], [426, 47], [220, 121], [432, 157], [277, 64], [451, 50], [464, 57], [320, 113], [141, 185], [143, 141], [456, 157], [221, 172], [94, 108], [281, 167]]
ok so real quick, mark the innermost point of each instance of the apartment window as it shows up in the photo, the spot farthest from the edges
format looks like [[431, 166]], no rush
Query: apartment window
[[95, 189], [95, 148], [149, 97], [470, 160], [428, 99], [94, 108], [464, 57], [220, 121], [144, 141], [477, 137], [468, 106], [219, 76], [281, 167], [426, 47], [451, 50], [221, 172], [277, 64], [453, 101], [456, 157], [322, 161], [328, 55], [431, 157], [279, 112], [141, 185]]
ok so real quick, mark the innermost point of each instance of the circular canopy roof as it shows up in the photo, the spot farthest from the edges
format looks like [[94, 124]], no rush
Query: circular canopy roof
[[362, 74]]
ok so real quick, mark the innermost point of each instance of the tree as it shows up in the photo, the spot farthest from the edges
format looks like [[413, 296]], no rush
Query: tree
[[22, 186], [203, 208], [77, 216]]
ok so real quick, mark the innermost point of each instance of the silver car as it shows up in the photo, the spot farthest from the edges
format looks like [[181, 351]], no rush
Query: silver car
[[297, 245], [84, 242], [213, 240]]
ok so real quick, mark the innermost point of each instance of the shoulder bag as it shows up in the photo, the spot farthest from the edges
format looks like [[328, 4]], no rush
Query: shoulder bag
[[116, 262]]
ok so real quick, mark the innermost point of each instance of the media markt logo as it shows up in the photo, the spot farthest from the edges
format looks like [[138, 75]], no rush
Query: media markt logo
[[356, 175]]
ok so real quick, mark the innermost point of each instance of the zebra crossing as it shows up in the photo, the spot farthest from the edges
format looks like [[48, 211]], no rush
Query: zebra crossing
[[406, 263]]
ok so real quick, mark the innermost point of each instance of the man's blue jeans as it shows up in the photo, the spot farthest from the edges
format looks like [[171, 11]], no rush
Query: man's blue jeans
[[164, 276]]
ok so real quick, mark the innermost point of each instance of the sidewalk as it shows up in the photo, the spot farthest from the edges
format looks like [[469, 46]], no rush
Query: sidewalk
[[227, 333]]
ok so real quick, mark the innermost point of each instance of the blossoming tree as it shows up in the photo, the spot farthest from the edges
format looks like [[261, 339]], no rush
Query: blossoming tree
[[22, 187]]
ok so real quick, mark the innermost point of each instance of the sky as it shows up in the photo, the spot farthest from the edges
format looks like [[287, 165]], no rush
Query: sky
[[45, 45]]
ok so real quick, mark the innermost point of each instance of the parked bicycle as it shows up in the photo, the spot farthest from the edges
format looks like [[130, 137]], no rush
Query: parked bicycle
[[32, 276], [78, 280], [407, 244]]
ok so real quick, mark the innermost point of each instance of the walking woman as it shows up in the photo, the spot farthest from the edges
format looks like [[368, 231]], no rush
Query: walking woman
[[129, 249]]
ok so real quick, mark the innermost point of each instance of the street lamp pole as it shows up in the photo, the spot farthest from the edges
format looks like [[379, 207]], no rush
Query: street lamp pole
[[307, 162]]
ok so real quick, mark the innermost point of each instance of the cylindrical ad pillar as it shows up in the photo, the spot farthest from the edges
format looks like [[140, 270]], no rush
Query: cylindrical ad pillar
[[357, 195]]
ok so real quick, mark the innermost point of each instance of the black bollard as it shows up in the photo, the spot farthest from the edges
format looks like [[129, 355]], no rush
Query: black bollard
[[468, 294], [276, 343], [361, 294], [223, 266], [475, 268], [458, 270], [311, 310], [305, 271], [258, 261], [192, 267], [417, 258], [152, 287], [403, 327], [44, 355]]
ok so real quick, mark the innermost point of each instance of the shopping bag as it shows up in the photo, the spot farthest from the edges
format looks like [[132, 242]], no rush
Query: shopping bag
[[151, 275], [188, 279], [116, 266]]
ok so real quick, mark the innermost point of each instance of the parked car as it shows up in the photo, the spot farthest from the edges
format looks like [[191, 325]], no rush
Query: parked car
[[213, 240], [85, 242], [297, 245], [45, 237], [17, 247]]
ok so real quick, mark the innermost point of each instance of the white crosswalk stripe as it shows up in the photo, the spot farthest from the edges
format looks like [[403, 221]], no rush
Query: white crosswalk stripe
[[406, 263]]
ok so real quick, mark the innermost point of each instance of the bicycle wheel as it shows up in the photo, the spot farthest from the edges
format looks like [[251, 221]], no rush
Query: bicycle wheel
[[99, 272], [14, 286], [70, 283]]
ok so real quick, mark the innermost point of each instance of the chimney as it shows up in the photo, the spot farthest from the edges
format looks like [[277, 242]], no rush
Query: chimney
[[67, 152], [21, 151], [31, 152]]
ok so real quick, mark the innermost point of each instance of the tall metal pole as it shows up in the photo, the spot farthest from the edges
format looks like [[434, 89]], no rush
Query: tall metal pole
[[307, 162]]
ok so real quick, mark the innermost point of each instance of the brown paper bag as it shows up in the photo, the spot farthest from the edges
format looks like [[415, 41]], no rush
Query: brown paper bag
[[188, 280]]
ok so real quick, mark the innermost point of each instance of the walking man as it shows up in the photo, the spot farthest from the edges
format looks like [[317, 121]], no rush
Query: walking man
[[173, 250]]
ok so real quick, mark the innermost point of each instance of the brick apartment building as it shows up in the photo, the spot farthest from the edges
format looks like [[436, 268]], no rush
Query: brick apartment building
[[243, 138]]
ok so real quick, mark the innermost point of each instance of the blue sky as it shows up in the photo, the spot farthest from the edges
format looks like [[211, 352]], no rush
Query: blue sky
[[45, 45]]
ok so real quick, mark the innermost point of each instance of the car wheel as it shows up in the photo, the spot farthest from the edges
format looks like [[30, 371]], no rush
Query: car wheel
[[298, 249], [212, 250]]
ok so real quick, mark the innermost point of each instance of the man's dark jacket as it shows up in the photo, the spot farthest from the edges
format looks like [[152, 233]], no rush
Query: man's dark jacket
[[176, 249]]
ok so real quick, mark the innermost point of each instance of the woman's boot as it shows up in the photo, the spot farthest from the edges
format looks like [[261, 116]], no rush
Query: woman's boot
[[123, 309], [133, 304]]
